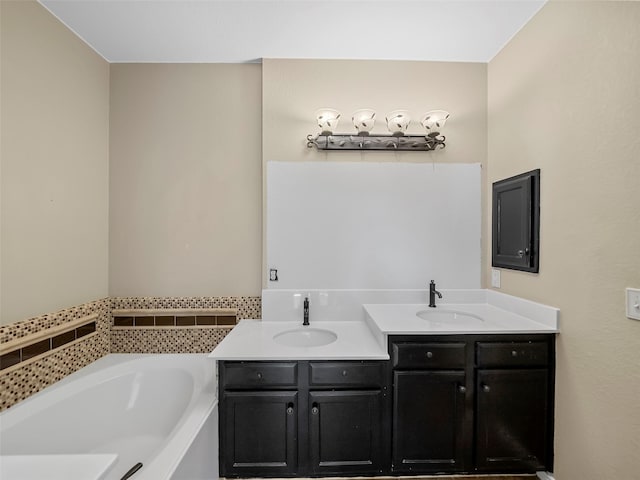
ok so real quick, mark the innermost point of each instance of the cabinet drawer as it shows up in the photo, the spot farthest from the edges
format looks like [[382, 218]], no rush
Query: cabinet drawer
[[259, 375], [501, 354], [346, 374], [429, 355]]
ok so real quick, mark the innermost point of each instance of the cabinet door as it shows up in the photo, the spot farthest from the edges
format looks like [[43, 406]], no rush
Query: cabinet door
[[511, 419], [516, 222], [428, 421], [345, 432], [258, 433]]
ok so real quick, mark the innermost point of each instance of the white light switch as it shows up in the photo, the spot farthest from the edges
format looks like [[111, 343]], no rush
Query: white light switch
[[495, 278], [633, 303]]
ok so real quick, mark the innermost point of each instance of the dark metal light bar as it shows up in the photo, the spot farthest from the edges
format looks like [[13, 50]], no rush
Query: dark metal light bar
[[377, 142]]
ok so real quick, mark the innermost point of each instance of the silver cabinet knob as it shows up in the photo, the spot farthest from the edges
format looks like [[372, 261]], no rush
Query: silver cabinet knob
[[259, 375], [486, 388], [344, 373], [429, 354], [289, 410], [462, 389], [522, 253], [315, 410], [514, 353]]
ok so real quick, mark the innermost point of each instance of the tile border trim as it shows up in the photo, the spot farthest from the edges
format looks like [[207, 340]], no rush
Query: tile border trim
[[50, 332], [171, 327], [48, 353], [173, 318], [159, 312]]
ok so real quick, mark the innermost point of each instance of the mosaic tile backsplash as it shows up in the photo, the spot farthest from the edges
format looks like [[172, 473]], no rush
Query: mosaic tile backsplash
[[37, 345], [175, 340], [200, 335], [33, 325], [248, 307], [24, 379], [21, 380]]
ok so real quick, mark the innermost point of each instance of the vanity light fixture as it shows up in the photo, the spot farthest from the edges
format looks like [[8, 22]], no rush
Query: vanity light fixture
[[397, 122], [327, 120], [364, 120], [434, 120]]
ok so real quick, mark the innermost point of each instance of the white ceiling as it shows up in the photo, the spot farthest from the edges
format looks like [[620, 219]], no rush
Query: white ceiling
[[238, 31]]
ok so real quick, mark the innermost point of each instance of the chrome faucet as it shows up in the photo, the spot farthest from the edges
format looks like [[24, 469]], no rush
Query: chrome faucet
[[432, 294], [305, 310]]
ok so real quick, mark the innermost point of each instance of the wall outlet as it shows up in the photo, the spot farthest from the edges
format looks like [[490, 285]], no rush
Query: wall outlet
[[633, 303], [495, 278], [273, 274]]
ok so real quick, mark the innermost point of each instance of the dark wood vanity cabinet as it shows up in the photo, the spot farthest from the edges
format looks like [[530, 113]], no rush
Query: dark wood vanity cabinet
[[345, 434], [347, 418], [428, 422], [430, 428], [514, 417], [260, 432], [258, 418], [441, 404], [472, 403], [303, 418]]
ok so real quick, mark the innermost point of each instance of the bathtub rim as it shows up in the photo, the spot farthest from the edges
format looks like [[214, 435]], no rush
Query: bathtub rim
[[105, 368]]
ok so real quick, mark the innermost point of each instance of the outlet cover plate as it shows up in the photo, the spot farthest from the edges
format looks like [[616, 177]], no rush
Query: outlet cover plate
[[633, 303], [495, 278]]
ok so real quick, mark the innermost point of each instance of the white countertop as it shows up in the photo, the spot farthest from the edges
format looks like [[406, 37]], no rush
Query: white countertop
[[253, 340], [363, 320], [401, 319], [55, 467]]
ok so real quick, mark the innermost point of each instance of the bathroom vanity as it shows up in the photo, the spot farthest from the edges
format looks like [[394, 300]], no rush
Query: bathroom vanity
[[303, 418], [459, 389], [472, 403]]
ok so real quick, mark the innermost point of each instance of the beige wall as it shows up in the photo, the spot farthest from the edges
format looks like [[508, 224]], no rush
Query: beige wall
[[54, 161], [564, 95], [294, 89], [185, 180]]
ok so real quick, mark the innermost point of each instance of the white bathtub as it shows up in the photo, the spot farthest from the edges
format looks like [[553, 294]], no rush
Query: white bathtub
[[160, 410]]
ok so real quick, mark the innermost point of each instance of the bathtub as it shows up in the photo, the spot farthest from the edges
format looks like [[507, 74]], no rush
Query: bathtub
[[160, 410]]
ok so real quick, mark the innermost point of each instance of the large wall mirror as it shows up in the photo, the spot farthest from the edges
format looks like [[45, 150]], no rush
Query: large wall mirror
[[373, 225]]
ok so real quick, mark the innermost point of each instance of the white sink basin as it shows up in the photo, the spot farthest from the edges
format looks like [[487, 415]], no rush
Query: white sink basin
[[305, 337], [448, 316]]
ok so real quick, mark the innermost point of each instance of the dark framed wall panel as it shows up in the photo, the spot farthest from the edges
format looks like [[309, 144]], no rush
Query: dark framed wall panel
[[516, 222]]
